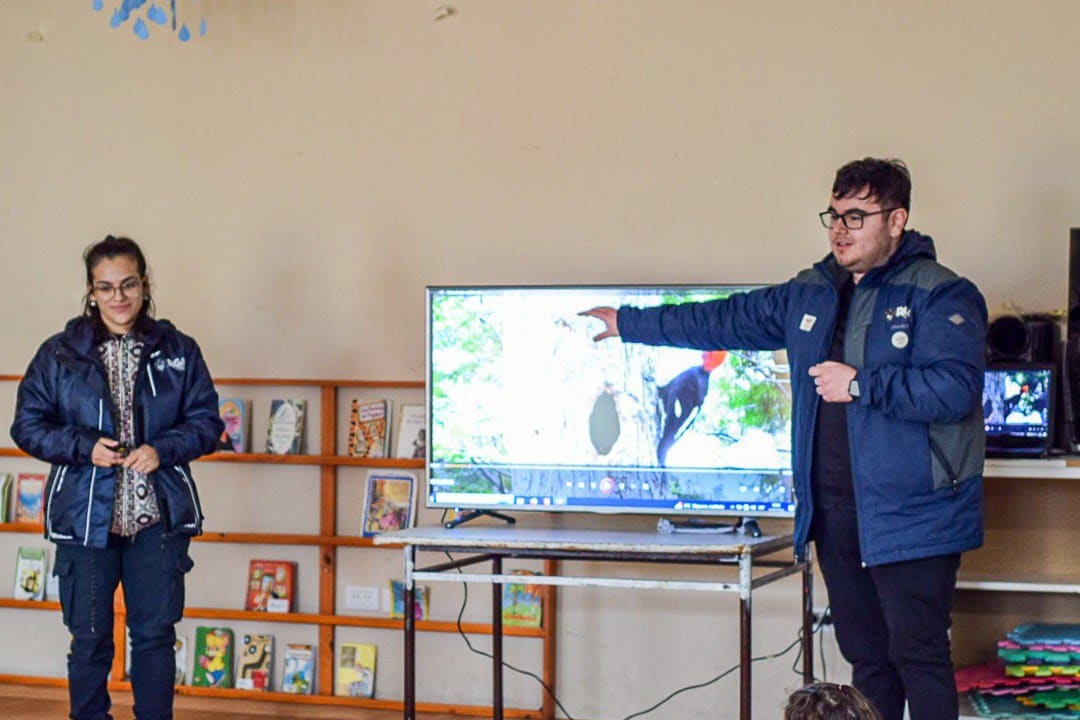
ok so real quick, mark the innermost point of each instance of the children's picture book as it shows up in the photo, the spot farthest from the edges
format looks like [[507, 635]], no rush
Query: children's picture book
[[388, 502], [355, 672], [397, 601], [523, 602], [213, 657], [30, 567], [236, 414], [411, 439], [255, 662], [298, 676], [5, 493], [369, 428], [29, 488], [271, 586], [285, 434], [180, 649]]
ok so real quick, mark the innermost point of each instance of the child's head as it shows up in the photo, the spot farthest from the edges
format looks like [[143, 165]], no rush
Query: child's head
[[829, 701]]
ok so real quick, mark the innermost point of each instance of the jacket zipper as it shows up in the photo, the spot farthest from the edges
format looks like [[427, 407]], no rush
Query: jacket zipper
[[851, 442], [949, 472], [194, 502], [93, 478]]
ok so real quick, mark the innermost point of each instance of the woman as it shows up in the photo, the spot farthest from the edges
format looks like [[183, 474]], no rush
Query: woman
[[119, 403]]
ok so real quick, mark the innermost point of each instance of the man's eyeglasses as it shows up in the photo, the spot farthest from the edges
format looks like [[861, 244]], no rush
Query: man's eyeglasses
[[852, 219], [107, 291]]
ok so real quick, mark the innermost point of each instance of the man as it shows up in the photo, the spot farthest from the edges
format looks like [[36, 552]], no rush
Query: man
[[887, 356]]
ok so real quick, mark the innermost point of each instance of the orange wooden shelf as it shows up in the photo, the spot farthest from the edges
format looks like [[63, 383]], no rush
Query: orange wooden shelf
[[36, 528], [30, 604]]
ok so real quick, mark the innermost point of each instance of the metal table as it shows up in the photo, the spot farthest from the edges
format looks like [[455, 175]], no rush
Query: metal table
[[494, 544]]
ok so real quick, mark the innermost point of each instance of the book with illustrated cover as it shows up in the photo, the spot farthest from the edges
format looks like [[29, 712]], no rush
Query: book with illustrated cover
[[355, 672], [285, 434], [397, 601], [213, 657], [369, 428], [5, 493], [523, 602], [30, 566], [29, 488], [180, 650], [298, 676], [271, 586], [255, 662], [411, 441], [388, 503], [236, 414]]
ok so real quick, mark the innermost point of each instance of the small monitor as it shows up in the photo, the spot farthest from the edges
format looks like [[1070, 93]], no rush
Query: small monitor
[[1018, 402]]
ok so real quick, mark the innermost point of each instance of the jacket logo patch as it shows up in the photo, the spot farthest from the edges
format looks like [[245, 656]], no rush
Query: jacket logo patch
[[900, 339], [957, 319], [178, 364], [807, 323], [900, 312]]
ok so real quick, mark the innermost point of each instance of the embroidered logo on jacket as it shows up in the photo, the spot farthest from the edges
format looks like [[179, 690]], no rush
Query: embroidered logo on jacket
[[178, 364], [900, 312]]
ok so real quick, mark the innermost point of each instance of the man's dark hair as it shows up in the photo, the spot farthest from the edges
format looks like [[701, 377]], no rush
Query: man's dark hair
[[829, 701], [888, 181]]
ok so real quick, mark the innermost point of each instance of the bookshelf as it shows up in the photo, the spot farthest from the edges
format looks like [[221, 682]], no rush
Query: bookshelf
[[332, 424]]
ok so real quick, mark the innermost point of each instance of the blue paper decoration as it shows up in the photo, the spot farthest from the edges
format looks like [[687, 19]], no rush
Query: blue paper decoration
[[124, 10]]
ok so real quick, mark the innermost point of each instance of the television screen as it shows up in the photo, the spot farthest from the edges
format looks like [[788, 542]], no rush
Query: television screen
[[528, 413], [1017, 404]]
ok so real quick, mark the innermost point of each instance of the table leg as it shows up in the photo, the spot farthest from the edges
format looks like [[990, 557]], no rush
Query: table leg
[[808, 620], [745, 674], [410, 635], [497, 641]]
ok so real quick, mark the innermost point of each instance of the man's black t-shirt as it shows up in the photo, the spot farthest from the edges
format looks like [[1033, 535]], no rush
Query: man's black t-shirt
[[830, 480]]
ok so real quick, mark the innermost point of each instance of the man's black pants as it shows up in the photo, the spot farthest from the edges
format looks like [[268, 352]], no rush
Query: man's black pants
[[891, 621]]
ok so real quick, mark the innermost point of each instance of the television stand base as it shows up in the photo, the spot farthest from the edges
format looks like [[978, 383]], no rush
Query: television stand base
[[743, 526], [466, 515]]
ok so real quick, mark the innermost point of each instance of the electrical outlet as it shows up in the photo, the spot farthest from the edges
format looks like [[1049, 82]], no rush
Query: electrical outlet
[[361, 597]]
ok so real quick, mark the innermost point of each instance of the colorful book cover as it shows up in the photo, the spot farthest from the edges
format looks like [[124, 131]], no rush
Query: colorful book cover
[[29, 488], [236, 414], [256, 660], [213, 657], [30, 566], [523, 602], [411, 439], [285, 433], [388, 503], [298, 677], [369, 428], [5, 493], [397, 601], [355, 672], [271, 586], [180, 650]]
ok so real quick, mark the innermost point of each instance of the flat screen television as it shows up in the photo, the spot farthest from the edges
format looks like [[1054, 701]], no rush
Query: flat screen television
[[528, 413], [1018, 409]]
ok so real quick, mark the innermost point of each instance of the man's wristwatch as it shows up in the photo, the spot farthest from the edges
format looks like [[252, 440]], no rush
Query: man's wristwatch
[[853, 388]]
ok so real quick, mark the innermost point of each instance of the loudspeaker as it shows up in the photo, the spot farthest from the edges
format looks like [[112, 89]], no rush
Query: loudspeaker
[[1034, 337]]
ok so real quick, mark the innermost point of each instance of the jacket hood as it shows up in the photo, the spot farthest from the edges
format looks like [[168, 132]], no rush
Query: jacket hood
[[913, 244]]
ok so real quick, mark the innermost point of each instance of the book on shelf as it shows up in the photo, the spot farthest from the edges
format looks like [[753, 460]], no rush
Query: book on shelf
[[180, 650], [285, 434], [271, 586], [213, 657], [29, 489], [523, 602], [30, 566], [369, 428], [255, 662], [411, 440], [389, 502], [355, 672], [5, 493], [298, 675], [397, 601], [236, 414]]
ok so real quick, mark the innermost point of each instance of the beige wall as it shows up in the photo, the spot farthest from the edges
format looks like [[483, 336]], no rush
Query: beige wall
[[301, 173]]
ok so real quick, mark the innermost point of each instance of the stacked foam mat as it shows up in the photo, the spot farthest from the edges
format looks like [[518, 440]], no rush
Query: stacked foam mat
[[1036, 675]]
